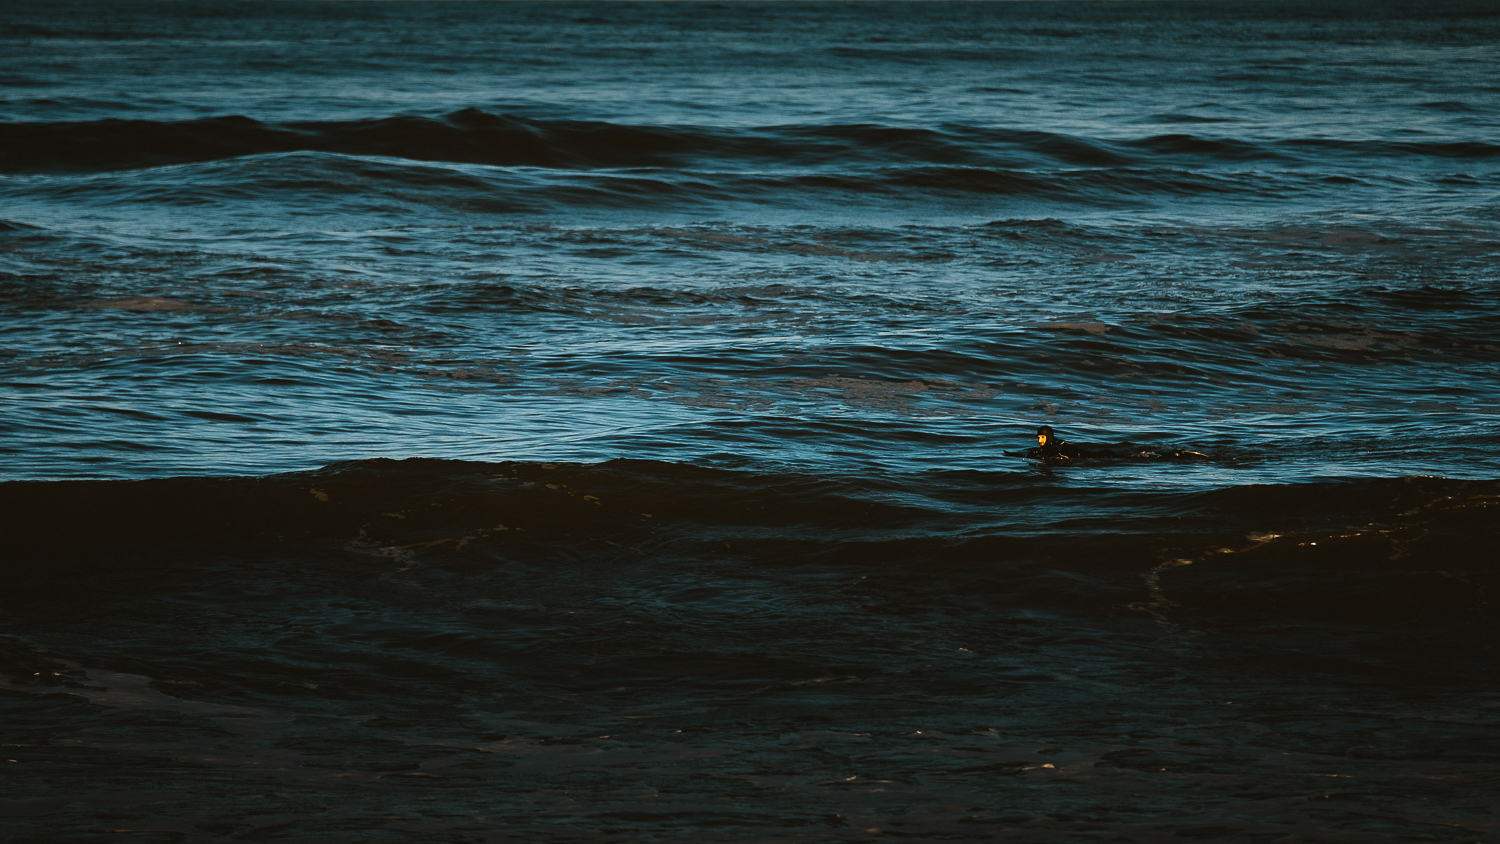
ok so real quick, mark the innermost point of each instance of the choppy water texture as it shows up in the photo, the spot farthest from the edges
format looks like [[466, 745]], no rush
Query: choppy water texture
[[484, 422]]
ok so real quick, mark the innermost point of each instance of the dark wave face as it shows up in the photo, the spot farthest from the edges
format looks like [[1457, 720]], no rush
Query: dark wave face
[[1362, 551], [472, 136], [466, 422], [434, 628], [553, 167]]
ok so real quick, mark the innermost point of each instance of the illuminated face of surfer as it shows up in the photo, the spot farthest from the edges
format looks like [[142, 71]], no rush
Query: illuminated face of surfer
[[1044, 436], [1041, 439]]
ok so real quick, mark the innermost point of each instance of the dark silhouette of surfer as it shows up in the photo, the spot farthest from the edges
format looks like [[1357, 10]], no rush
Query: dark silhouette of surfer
[[1052, 448]]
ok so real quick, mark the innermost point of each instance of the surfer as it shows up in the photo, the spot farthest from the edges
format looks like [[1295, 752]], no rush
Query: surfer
[[1051, 447]]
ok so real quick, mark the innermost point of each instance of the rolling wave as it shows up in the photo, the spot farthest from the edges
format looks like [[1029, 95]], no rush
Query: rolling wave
[[471, 136], [337, 183], [1404, 548]]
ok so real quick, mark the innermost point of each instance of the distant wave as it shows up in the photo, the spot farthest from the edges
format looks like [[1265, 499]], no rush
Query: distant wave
[[341, 183], [471, 136]]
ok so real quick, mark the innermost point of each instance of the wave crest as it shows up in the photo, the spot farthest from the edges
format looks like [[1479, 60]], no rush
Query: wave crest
[[472, 136]]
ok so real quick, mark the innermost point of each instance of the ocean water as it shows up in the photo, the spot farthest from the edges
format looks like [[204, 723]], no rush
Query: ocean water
[[554, 422]]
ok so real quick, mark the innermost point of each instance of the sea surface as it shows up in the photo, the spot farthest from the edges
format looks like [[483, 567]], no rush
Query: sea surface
[[602, 422]]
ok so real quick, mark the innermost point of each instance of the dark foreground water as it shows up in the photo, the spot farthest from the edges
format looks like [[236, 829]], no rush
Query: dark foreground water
[[553, 422]]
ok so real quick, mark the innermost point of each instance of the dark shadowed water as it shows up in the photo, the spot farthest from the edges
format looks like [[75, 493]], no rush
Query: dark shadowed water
[[583, 422]]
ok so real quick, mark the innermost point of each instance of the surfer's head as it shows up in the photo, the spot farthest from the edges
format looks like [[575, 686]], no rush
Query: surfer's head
[[1045, 435]]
